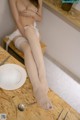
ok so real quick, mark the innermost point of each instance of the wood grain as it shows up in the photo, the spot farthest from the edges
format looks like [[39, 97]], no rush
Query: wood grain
[[73, 16], [9, 101]]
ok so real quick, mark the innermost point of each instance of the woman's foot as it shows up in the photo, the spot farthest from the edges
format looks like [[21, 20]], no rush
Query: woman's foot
[[42, 98]]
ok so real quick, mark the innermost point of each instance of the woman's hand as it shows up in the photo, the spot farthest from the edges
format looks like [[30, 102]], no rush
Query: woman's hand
[[23, 32]]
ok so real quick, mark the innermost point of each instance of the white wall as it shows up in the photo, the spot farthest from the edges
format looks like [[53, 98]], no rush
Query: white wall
[[77, 6], [6, 20], [63, 41]]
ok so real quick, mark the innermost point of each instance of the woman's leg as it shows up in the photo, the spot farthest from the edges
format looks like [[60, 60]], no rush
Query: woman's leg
[[37, 54], [39, 93]]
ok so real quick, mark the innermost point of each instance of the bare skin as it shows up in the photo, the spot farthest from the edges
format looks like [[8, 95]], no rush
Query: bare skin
[[25, 13]]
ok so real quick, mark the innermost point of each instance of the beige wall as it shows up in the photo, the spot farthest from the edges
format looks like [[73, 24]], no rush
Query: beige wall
[[63, 41], [77, 6], [6, 21]]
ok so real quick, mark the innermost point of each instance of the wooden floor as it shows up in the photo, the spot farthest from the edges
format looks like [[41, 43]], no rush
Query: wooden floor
[[9, 101]]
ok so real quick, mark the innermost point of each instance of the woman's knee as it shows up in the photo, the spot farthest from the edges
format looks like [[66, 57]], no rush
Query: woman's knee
[[31, 35]]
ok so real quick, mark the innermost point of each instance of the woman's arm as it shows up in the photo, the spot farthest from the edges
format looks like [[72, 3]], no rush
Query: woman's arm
[[16, 16], [38, 15], [28, 13]]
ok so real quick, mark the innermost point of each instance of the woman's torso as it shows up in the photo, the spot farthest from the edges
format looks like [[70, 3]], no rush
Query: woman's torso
[[21, 6]]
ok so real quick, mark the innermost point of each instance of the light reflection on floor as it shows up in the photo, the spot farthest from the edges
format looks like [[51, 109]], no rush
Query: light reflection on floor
[[63, 84]]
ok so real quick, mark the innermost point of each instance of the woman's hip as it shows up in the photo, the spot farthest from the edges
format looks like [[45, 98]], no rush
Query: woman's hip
[[17, 37]]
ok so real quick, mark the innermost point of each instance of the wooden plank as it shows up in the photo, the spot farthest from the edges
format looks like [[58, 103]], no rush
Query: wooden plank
[[18, 52], [9, 101]]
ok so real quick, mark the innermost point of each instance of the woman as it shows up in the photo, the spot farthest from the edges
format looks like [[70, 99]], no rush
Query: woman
[[26, 39]]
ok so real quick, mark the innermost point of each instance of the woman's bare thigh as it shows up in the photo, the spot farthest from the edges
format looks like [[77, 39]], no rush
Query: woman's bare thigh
[[35, 46], [31, 34], [21, 43]]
